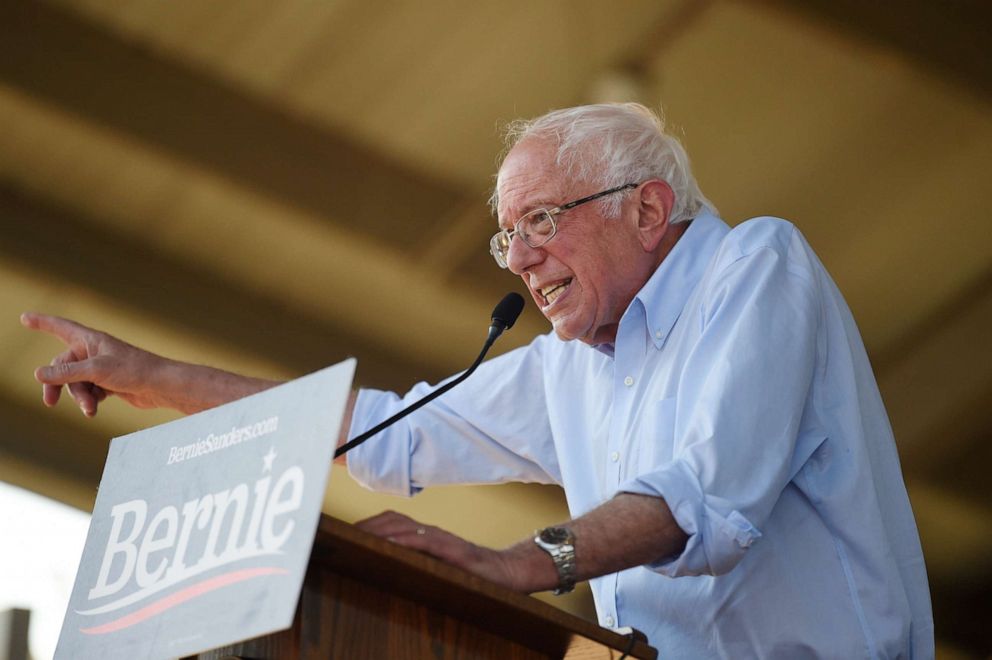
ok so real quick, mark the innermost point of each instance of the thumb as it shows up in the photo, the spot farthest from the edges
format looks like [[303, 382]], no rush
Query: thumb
[[65, 372]]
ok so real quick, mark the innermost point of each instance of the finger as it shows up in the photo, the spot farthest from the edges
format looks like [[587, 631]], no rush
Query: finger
[[404, 530], [98, 394], [392, 526], [413, 541], [66, 330], [50, 394], [388, 523], [82, 393], [437, 543], [380, 519], [66, 372]]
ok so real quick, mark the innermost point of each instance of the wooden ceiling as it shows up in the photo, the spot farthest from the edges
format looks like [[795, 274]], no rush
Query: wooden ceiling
[[271, 187]]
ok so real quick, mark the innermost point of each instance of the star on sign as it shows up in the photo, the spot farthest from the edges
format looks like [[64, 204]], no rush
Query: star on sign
[[267, 460]]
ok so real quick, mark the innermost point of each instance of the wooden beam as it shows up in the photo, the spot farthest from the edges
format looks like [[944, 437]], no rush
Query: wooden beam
[[381, 296], [57, 242], [50, 53], [950, 38], [936, 385], [935, 381], [70, 452]]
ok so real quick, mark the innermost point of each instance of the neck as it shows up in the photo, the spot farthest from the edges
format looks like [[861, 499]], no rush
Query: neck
[[608, 333], [667, 243]]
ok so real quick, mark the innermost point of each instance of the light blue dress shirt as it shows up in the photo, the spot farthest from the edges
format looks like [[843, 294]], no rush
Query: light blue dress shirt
[[738, 390]]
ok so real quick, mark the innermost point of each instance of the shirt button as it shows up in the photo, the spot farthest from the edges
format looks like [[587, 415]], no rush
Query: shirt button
[[628, 381], [609, 621], [615, 456]]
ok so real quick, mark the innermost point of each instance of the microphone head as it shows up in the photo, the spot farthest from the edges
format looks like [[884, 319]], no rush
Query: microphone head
[[507, 311]]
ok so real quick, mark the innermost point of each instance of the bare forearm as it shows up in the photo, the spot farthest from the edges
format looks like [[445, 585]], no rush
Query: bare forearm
[[629, 530], [95, 365], [190, 388]]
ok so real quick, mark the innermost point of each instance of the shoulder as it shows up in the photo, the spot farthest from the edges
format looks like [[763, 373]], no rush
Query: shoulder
[[750, 236], [765, 239]]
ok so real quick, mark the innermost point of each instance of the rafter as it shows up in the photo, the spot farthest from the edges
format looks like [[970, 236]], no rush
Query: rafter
[[950, 38], [58, 242], [50, 53]]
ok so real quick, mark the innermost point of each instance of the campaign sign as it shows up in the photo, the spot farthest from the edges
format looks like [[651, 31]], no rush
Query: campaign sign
[[202, 528]]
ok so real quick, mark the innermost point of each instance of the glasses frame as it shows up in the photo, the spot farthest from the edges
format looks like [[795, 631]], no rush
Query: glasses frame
[[507, 235]]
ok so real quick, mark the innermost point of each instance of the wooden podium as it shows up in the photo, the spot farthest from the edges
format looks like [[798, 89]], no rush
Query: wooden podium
[[365, 597]]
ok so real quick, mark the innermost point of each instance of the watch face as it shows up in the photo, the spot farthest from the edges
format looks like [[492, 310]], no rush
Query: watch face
[[554, 535]]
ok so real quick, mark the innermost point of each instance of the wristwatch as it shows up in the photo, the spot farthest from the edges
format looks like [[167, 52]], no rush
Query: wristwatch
[[559, 542]]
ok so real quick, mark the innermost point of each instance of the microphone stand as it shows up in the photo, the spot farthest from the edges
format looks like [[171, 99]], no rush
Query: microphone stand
[[504, 317]]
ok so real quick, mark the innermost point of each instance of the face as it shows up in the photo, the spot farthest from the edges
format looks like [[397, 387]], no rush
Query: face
[[585, 277]]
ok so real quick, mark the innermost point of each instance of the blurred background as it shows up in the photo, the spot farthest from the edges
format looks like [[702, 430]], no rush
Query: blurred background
[[272, 187]]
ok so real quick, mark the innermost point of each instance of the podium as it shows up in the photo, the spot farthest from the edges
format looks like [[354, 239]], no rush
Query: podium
[[365, 597]]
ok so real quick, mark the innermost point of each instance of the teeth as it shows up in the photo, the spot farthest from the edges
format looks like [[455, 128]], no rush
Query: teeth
[[551, 293]]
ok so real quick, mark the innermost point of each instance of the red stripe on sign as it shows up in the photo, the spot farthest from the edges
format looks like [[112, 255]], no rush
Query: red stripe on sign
[[189, 593]]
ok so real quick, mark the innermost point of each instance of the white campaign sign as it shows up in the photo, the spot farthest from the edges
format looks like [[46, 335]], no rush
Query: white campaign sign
[[202, 528]]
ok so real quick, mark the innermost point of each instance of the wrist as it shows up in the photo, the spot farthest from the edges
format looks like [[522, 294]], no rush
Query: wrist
[[171, 385], [191, 388], [530, 568], [559, 544]]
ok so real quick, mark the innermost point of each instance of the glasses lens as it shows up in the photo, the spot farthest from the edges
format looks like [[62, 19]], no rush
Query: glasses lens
[[537, 228], [499, 245]]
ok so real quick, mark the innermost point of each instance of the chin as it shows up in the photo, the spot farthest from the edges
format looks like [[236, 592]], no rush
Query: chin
[[562, 330], [566, 332]]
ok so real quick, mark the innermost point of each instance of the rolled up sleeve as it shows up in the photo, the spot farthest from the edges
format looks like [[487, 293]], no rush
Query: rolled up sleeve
[[718, 538], [481, 432], [382, 463]]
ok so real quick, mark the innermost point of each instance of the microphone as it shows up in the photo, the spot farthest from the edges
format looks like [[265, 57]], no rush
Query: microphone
[[504, 316]]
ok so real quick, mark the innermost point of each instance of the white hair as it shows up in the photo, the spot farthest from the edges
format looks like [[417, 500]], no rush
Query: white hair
[[612, 144]]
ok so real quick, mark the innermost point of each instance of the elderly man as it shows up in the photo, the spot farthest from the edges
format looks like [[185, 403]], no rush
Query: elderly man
[[727, 460]]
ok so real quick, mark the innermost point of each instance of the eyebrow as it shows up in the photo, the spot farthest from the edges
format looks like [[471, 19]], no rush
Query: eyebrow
[[545, 206]]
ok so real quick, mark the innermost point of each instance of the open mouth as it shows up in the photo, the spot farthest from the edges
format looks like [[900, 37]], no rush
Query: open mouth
[[551, 292]]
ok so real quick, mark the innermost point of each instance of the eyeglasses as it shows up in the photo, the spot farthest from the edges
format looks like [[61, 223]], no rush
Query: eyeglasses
[[539, 226]]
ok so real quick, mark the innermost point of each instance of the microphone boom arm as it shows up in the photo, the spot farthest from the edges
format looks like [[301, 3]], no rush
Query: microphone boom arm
[[503, 318]]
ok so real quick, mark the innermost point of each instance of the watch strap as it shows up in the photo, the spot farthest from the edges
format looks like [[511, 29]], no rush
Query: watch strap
[[559, 543]]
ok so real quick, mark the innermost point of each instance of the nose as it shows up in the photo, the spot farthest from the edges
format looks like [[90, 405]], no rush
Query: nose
[[521, 256]]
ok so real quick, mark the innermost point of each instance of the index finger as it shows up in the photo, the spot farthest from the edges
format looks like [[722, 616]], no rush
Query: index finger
[[66, 330]]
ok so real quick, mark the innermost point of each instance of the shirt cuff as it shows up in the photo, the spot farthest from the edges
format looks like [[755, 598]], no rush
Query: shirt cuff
[[383, 462], [718, 535]]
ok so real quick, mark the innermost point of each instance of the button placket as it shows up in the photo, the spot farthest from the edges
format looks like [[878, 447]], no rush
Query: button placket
[[608, 604], [622, 399], [624, 394], [628, 360]]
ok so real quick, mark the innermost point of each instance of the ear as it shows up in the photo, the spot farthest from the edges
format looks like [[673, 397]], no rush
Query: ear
[[654, 209]]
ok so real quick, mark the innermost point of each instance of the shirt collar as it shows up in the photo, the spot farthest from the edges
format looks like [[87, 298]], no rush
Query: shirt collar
[[664, 295]]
